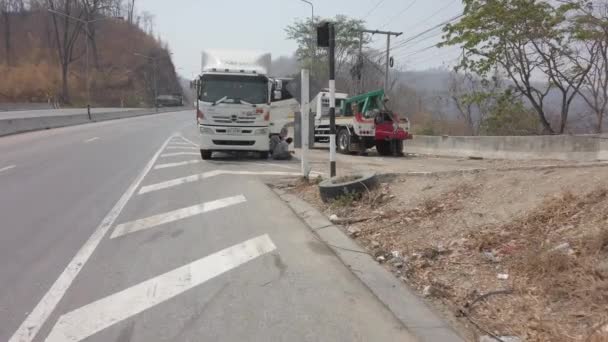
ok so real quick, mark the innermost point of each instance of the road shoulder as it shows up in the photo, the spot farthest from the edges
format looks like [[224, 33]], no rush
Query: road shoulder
[[413, 313]]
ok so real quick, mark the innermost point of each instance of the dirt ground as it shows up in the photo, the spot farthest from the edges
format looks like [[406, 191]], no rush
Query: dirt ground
[[413, 163], [508, 253]]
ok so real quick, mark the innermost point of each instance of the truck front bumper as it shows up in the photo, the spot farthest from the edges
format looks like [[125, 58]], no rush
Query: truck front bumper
[[216, 138]]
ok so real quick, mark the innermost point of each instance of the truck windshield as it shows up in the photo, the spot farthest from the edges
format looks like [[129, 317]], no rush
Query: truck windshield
[[234, 88]]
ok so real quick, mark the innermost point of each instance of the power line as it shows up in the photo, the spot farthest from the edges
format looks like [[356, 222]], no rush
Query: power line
[[399, 14], [408, 40], [373, 9], [433, 15]]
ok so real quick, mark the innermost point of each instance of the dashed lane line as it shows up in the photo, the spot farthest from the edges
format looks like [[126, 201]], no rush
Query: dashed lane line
[[91, 139], [85, 321], [37, 317], [175, 215], [6, 168], [173, 154], [187, 162], [201, 176]]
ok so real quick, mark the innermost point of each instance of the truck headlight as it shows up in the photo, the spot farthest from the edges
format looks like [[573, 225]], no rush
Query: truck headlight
[[261, 131], [206, 130]]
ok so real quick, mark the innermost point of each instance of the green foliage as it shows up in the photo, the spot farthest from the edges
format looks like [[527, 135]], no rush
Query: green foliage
[[425, 130], [524, 39], [509, 116], [345, 200], [303, 32]]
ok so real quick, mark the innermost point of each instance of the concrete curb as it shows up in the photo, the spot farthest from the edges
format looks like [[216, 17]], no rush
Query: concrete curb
[[22, 125], [413, 313]]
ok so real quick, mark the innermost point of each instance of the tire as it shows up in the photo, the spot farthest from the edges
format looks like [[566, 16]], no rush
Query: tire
[[206, 154], [344, 141], [400, 148], [263, 155], [383, 147], [330, 189]]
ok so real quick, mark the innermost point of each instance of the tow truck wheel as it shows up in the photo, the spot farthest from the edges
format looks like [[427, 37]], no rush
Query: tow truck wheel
[[344, 141], [383, 147], [400, 148], [206, 154]]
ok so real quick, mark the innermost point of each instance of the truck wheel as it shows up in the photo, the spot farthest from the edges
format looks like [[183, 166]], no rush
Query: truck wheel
[[264, 155], [383, 147], [400, 148], [206, 154], [344, 141]]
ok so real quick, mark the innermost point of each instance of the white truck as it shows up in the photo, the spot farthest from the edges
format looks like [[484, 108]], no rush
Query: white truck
[[234, 94]]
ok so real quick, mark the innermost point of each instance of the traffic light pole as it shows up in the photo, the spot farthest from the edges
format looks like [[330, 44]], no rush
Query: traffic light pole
[[332, 100]]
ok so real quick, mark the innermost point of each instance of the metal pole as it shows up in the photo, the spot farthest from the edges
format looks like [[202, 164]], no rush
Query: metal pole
[[360, 63], [155, 86], [86, 25], [332, 101], [304, 112], [388, 57]]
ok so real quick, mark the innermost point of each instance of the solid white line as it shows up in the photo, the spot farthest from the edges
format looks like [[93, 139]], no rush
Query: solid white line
[[8, 168], [180, 154], [36, 318], [181, 147], [92, 139], [175, 215], [103, 313], [187, 162], [277, 165], [201, 176]]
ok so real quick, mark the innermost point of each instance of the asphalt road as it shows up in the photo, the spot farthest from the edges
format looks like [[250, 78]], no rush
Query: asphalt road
[[118, 231]]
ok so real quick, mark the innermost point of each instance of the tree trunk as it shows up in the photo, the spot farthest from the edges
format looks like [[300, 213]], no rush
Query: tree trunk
[[65, 91], [7, 37], [541, 116], [563, 116], [600, 122]]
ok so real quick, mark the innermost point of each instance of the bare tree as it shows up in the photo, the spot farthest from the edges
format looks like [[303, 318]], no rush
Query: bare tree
[[594, 91], [7, 8], [66, 31]]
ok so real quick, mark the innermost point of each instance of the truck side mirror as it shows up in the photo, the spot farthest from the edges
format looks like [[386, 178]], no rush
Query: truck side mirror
[[277, 95]]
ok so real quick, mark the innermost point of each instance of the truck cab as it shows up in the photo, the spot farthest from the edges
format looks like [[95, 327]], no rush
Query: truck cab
[[233, 102]]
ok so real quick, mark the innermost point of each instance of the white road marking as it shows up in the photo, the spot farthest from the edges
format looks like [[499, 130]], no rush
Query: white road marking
[[91, 139], [181, 148], [187, 162], [188, 140], [175, 215], [85, 321], [41, 312], [180, 154], [201, 176], [277, 165], [179, 143], [6, 168]]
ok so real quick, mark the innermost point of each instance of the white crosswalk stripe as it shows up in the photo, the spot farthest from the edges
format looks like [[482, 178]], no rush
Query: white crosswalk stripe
[[187, 162], [175, 215], [201, 176], [103, 313], [173, 154]]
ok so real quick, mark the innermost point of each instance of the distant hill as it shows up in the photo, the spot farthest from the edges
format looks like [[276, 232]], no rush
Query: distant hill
[[117, 76]]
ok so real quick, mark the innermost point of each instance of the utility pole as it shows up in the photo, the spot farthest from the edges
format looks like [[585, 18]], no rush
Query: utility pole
[[360, 64], [388, 49]]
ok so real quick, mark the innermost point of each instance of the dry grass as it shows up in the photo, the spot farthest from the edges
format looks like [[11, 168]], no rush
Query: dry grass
[[556, 256]]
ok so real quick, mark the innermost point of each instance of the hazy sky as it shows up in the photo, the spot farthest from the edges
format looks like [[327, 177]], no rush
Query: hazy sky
[[192, 25]]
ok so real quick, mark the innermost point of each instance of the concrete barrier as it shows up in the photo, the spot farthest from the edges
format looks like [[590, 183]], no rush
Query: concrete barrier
[[21, 125], [560, 147]]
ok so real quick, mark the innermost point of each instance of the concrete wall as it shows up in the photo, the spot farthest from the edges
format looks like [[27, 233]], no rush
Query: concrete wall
[[20, 125], [562, 147]]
